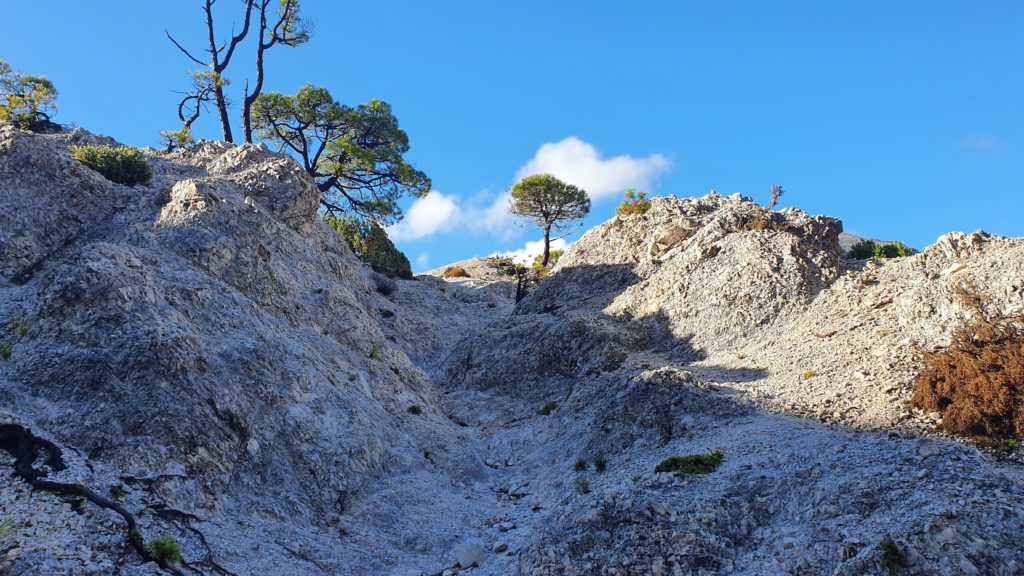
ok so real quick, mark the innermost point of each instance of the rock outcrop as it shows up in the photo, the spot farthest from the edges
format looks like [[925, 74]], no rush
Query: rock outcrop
[[201, 357]]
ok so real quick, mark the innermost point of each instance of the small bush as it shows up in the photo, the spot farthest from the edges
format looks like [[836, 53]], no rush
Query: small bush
[[375, 353], [893, 559], [977, 383], [692, 463], [600, 464], [385, 286], [117, 492], [548, 408], [870, 249], [121, 164], [542, 270], [415, 410], [582, 485], [21, 326], [165, 549], [862, 250], [455, 272], [6, 349], [808, 374], [634, 203], [385, 313], [893, 250], [580, 466]]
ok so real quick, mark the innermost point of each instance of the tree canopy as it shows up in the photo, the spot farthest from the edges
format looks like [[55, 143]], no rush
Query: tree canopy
[[355, 155], [549, 203], [26, 101]]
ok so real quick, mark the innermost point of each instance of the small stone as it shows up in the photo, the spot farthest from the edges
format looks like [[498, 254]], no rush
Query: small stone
[[500, 547]]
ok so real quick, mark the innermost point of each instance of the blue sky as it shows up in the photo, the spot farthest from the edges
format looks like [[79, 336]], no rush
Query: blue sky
[[904, 119]]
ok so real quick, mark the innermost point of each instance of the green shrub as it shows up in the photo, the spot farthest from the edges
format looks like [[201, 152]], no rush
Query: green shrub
[[121, 164], [893, 250], [415, 410], [600, 464], [893, 559], [6, 349], [375, 353], [634, 203], [548, 408], [581, 465], [615, 357], [117, 492], [862, 250], [692, 463], [1001, 447], [165, 549], [371, 244], [871, 249], [808, 374]]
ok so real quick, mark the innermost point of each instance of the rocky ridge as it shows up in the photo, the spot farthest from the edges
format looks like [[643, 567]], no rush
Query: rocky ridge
[[205, 344]]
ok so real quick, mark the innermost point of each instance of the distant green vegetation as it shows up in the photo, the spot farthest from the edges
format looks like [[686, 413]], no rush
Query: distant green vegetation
[[871, 249], [893, 559], [121, 164]]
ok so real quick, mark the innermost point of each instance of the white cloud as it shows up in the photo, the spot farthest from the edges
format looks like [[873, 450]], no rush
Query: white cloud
[[571, 159], [435, 212], [533, 248], [580, 163], [423, 261]]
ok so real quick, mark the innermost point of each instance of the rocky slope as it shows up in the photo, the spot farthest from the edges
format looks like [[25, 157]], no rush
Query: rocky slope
[[204, 351]]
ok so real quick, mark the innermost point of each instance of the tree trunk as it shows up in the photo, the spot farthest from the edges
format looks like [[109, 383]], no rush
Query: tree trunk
[[222, 109], [547, 245]]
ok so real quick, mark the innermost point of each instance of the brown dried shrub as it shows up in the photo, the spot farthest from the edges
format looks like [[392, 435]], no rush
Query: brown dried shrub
[[455, 272], [765, 220], [977, 383]]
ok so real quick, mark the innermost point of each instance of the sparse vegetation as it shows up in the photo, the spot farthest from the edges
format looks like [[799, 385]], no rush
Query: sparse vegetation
[[1001, 447], [870, 249], [893, 559], [375, 353], [977, 383], [165, 549], [692, 463], [6, 349], [634, 203], [385, 287], [600, 464], [581, 465], [548, 408], [415, 410], [120, 164], [808, 374], [455, 272]]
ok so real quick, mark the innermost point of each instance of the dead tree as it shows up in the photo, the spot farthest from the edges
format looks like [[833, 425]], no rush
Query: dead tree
[[220, 58], [289, 30]]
